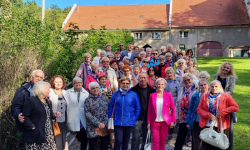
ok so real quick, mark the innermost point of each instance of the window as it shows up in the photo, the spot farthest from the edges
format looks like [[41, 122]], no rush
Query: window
[[184, 34], [137, 36], [156, 35]]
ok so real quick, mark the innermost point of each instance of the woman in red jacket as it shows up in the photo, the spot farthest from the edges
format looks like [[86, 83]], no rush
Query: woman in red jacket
[[207, 109]]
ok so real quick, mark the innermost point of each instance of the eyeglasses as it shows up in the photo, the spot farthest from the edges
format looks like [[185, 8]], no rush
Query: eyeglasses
[[105, 61], [187, 80], [145, 62], [154, 53], [94, 88], [125, 83], [77, 82], [126, 70]]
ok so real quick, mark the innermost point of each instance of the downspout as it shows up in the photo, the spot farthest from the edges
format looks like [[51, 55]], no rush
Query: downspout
[[169, 21]]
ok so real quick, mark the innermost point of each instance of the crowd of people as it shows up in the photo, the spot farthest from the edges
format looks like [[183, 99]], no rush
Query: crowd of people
[[140, 88]]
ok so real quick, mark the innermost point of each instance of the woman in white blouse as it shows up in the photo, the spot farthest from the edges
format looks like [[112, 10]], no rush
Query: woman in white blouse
[[76, 118]]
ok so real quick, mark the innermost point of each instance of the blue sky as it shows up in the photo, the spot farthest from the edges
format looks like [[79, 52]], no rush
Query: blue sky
[[64, 3]]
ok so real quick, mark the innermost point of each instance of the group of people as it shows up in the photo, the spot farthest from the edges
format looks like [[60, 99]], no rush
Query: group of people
[[141, 89]]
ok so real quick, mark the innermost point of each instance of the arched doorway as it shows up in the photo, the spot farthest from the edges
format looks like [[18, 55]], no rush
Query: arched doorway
[[209, 49]]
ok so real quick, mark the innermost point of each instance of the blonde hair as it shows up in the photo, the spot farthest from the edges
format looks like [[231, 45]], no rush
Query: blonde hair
[[204, 75], [231, 72], [161, 56], [39, 88], [190, 69], [160, 79], [125, 79], [168, 55], [169, 69]]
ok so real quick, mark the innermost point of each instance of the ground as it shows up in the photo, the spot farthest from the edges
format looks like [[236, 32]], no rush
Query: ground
[[241, 95]]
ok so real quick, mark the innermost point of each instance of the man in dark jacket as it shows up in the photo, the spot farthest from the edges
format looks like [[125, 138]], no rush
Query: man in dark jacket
[[170, 50], [143, 91], [23, 93]]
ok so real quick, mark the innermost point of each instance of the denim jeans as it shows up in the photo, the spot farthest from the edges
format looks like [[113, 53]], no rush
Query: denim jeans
[[140, 127]]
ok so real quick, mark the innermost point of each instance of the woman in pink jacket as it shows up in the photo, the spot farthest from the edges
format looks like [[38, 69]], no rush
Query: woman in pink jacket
[[93, 76], [161, 114]]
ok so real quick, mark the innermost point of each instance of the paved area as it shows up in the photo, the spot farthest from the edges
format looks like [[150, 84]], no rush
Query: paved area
[[169, 145]]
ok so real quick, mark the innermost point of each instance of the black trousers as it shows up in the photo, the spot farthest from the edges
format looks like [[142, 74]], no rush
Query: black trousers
[[196, 136], [122, 135], [181, 136], [82, 137], [104, 144]]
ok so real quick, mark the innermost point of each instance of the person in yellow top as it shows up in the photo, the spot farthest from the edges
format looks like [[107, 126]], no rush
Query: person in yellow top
[[179, 56]]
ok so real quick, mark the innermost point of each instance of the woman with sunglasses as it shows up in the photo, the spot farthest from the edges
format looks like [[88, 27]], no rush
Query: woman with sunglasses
[[125, 107], [183, 100], [155, 60], [144, 67], [152, 77]]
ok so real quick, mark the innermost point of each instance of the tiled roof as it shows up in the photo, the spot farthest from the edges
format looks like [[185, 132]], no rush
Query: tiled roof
[[208, 12], [120, 16]]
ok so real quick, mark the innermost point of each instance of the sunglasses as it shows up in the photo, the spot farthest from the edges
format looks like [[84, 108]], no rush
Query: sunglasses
[[154, 53], [125, 83], [145, 62]]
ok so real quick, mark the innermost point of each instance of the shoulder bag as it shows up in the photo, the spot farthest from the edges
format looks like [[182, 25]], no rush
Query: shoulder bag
[[98, 131], [111, 120]]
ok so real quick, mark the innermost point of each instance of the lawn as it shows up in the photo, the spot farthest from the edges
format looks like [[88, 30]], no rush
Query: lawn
[[241, 95]]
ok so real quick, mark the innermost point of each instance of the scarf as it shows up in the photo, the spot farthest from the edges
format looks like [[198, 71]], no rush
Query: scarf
[[212, 101], [172, 78], [102, 87], [185, 102], [105, 70], [182, 72], [123, 92], [95, 75], [88, 64]]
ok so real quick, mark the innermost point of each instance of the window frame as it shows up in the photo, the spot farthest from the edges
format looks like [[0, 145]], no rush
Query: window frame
[[154, 33], [136, 37], [182, 33]]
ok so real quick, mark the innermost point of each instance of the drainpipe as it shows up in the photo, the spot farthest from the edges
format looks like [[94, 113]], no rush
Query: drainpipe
[[169, 21]]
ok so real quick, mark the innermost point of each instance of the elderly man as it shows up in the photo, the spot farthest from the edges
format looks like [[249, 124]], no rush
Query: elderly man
[[130, 53], [22, 94], [143, 91], [121, 47], [163, 50], [110, 73], [155, 60], [108, 49], [170, 50]]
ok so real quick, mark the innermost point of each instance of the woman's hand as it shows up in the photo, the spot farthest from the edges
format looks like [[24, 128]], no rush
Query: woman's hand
[[57, 114], [172, 125], [213, 118], [101, 126], [218, 115], [187, 126], [148, 126]]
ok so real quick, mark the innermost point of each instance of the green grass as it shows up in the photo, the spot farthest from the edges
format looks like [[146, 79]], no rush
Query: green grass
[[241, 95]]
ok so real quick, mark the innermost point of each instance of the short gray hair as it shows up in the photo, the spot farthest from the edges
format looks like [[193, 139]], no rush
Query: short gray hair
[[143, 52], [39, 88], [169, 45], [93, 84], [99, 50], [94, 63], [169, 69], [33, 72], [126, 57], [103, 52], [168, 55], [136, 65], [187, 75], [219, 83], [77, 79], [87, 54], [105, 58], [163, 47], [183, 60], [143, 74], [204, 75], [161, 79], [203, 80], [148, 48]]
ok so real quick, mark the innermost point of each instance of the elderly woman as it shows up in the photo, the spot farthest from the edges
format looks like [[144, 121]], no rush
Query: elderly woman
[[183, 101], [226, 75], [84, 69], [173, 87], [192, 117], [161, 67], [127, 73], [110, 56], [114, 65], [192, 65], [204, 75], [179, 56], [208, 111], [136, 49], [98, 56], [58, 97], [75, 111], [93, 77], [144, 67], [152, 76], [125, 60], [96, 112], [163, 50], [136, 71], [179, 72], [126, 109], [103, 86], [169, 62], [142, 55], [190, 55], [37, 111], [159, 117], [149, 53], [103, 54]]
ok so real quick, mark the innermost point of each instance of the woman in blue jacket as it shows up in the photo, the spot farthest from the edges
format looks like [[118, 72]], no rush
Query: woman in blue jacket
[[192, 117], [127, 109]]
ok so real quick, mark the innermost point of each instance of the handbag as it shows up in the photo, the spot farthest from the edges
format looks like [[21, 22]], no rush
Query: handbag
[[56, 128], [111, 120], [98, 131], [210, 136], [148, 145]]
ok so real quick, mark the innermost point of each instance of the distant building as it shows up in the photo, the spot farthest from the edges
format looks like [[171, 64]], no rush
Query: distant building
[[210, 28]]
